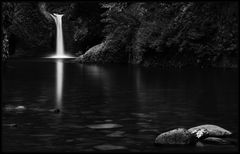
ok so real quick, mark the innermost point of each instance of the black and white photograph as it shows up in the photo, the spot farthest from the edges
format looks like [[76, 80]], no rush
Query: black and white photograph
[[120, 76]]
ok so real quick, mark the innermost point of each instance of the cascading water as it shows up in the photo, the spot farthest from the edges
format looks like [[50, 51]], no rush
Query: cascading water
[[59, 38]]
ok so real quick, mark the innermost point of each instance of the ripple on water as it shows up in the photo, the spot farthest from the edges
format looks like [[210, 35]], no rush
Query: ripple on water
[[75, 126], [109, 147], [149, 130], [42, 100], [104, 126], [44, 135], [116, 134]]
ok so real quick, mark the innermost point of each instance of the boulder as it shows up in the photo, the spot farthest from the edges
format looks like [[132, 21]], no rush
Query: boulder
[[179, 136], [213, 130], [200, 133], [92, 55]]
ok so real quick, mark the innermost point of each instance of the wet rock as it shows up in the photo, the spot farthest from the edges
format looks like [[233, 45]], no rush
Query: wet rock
[[104, 126], [69, 140], [200, 133], [9, 108], [179, 136], [10, 125], [215, 140], [55, 110], [213, 130], [92, 55], [199, 144], [109, 147], [14, 108], [20, 108], [108, 120], [116, 134]]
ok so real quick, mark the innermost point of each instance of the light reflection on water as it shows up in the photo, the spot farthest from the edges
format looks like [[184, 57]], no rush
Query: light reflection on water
[[59, 83]]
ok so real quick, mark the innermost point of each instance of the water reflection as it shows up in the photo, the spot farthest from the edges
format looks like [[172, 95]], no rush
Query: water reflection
[[143, 101], [59, 83]]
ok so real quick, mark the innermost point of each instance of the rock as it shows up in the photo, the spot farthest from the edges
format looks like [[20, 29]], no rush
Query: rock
[[69, 140], [213, 130], [116, 134], [20, 108], [55, 110], [108, 120], [10, 125], [13, 108], [179, 136], [199, 144], [200, 133], [104, 126], [109, 147], [9, 108], [215, 140], [92, 55]]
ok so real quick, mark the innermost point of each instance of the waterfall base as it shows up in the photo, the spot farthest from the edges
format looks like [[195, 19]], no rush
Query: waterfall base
[[61, 56]]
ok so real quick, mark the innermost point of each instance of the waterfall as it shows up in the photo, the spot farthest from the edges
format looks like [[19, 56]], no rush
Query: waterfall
[[59, 38]]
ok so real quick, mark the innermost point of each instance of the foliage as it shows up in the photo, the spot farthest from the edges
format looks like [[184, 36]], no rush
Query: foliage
[[5, 47], [24, 22], [175, 33], [84, 18]]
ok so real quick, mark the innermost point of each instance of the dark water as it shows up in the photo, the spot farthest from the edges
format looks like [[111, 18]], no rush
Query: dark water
[[140, 102]]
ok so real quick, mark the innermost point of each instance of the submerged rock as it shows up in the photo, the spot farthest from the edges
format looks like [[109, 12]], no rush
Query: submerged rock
[[215, 140], [116, 134], [10, 125], [14, 108], [20, 108], [179, 136], [9, 108], [55, 110], [199, 144], [104, 126], [109, 147], [213, 130]]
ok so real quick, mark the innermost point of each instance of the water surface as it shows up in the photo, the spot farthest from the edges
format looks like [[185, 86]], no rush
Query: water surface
[[112, 107]]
